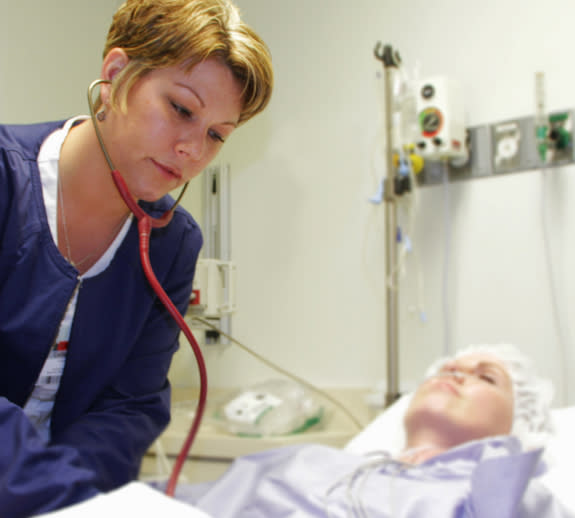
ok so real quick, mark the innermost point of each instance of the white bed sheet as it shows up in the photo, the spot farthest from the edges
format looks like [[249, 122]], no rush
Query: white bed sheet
[[134, 499]]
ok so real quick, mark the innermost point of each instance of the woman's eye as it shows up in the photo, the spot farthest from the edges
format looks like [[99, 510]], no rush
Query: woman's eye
[[214, 135], [181, 111]]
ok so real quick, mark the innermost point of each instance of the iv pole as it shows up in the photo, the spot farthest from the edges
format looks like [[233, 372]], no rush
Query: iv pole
[[391, 62]]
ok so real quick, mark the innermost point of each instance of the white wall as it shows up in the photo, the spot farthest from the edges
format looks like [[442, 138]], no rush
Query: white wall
[[49, 53], [308, 247]]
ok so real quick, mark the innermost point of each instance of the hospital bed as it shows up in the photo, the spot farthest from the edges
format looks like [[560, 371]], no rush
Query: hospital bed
[[385, 432]]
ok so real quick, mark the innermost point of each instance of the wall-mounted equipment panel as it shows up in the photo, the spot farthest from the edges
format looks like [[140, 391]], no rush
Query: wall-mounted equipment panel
[[507, 147]]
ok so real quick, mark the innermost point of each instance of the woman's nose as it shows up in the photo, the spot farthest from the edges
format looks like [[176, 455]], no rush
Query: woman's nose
[[191, 146]]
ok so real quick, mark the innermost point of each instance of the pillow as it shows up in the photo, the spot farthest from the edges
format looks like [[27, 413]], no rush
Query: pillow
[[385, 432], [560, 456]]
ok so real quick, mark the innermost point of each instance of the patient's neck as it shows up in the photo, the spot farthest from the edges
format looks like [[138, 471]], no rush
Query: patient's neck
[[419, 454], [424, 444]]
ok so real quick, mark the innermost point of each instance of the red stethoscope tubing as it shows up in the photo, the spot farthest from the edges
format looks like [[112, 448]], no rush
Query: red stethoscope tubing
[[145, 225]]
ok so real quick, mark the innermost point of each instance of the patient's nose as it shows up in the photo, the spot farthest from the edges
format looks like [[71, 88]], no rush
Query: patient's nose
[[454, 372]]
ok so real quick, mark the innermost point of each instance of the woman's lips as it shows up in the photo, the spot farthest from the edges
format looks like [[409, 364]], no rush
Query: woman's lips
[[168, 170]]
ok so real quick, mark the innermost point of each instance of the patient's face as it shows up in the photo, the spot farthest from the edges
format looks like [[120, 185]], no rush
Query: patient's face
[[472, 398]]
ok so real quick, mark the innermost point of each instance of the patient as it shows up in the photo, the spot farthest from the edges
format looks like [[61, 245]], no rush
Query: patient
[[470, 431], [482, 391]]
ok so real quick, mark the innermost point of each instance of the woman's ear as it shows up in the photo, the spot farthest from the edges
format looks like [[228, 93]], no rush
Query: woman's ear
[[114, 61]]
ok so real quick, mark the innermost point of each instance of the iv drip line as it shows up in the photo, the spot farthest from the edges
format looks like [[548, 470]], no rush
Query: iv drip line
[[553, 290], [279, 369], [446, 259], [542, 128]]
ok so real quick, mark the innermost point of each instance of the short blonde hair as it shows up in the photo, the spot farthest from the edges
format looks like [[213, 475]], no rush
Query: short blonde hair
[[162, 33]]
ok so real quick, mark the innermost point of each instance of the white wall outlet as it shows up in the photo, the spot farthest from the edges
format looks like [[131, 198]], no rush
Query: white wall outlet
[[507, 142]]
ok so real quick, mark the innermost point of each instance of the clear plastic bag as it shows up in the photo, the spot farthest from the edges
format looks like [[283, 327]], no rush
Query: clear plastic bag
[[270, 408]]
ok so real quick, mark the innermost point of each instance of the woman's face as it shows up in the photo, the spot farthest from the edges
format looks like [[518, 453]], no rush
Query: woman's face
[[471, 398], [174, 125]]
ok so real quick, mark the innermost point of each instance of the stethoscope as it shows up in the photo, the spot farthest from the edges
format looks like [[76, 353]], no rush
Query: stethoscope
[[145, 225]]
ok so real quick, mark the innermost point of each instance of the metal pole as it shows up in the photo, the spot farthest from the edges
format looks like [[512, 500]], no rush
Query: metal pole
[[391, 61]]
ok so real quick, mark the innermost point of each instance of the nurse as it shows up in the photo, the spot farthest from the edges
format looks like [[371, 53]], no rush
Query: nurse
[[85, 345]]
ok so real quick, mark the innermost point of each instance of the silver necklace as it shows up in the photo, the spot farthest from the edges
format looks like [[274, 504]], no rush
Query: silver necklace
[[76, 264]]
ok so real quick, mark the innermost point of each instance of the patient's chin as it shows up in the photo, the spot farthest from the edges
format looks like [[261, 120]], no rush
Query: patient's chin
[[432, 424]]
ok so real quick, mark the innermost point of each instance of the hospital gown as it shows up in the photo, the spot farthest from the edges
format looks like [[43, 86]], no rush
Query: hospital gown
[[485, 479]]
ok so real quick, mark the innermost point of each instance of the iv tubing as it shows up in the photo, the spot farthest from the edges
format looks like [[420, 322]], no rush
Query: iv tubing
[[145, 224], [279, 369]]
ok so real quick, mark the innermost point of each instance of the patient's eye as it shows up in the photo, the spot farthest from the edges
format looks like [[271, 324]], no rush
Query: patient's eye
[[488, 378]]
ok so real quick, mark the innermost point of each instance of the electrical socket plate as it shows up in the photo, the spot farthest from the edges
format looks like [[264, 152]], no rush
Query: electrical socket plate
[[514, 146], [507, 140]]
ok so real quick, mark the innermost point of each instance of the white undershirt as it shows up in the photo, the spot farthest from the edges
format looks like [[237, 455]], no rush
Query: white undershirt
[[40, 404]]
